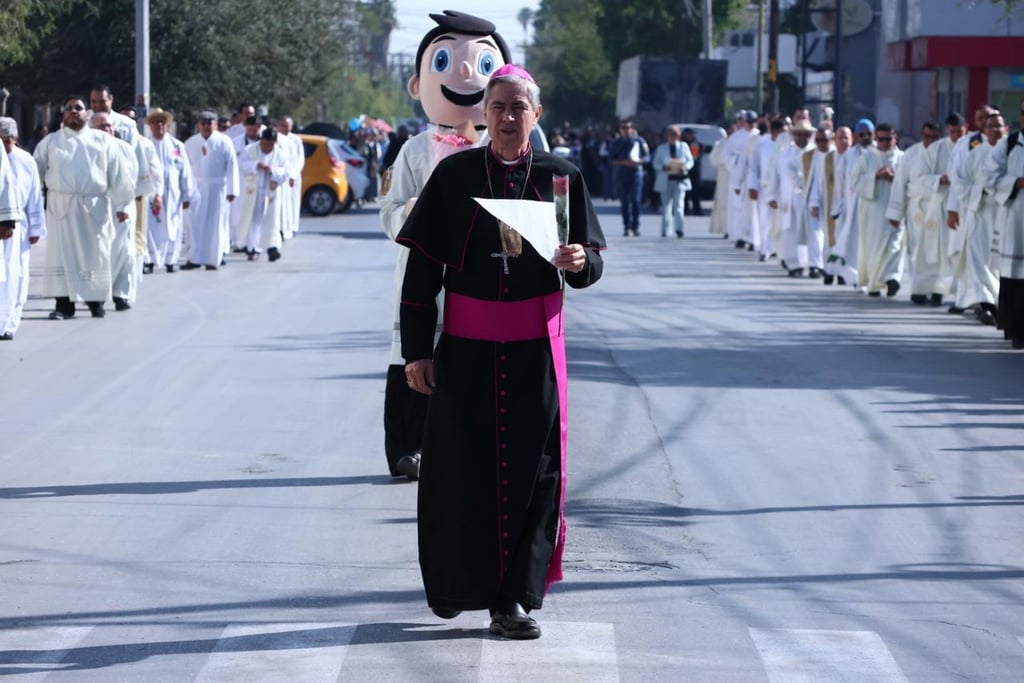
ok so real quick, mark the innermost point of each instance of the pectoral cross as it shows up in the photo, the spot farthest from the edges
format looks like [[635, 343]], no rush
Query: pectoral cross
[[504, 259]]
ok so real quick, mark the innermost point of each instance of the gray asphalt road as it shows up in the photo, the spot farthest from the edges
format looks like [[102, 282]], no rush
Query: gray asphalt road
[[771, 480]]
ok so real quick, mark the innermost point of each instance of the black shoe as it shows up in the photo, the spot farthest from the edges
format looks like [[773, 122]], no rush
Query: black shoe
[[796, 272], [874, 294], [840, 280], [679, 234], [750, 247], [223, 261], [814, 273], [919, 299], [121, 304], [171, 269], [985, 316], [514, 623], [409, 465], [936, 300], [7, 336], [273, 254], [740, 244], [625, 232], [891, 287], [1017, 343], [955, 310], [96, 308], [210, 267], [828, 279], [445, 612], [762, 258], [147, 268], [636, 232], [252, 255], [190, 266], [60, 315], [238, 250]]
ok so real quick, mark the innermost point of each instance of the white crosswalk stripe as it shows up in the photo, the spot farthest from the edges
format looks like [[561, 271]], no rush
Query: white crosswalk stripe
[[292, 652], [41, 650], [567, 651], [807, 656]]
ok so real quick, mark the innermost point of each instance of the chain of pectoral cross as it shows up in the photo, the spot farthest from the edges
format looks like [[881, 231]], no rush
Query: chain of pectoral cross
[[504, 254]]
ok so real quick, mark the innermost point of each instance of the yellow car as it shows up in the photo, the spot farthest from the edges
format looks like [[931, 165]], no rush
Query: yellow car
[[324, 185]]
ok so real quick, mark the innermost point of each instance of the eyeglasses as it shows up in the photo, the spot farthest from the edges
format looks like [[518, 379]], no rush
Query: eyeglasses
[[884, 139], [77, 107], [625, 126], [821, 139]]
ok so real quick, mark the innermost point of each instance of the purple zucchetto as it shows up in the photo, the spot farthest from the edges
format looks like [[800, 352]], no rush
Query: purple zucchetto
[[513, 70]]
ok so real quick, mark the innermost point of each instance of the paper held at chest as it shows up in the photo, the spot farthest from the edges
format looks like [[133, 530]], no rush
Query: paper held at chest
[[534, 220]]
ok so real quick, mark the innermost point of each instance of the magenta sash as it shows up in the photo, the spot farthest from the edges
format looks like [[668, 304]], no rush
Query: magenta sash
[[505, 321]]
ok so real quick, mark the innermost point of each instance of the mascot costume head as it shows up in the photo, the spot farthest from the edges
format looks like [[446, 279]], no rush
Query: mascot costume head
[[453, 63]]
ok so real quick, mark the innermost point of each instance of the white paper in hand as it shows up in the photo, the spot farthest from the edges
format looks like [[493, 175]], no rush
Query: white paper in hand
[[534, 220]]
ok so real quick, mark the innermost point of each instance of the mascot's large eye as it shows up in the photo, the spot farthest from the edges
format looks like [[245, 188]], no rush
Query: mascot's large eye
[[442, 60], [487, 63]]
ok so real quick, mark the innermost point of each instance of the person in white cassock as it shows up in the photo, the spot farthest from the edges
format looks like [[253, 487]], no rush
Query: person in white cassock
[[759, 178], [85, 175], [10, 265], [738, 148], [960, 144], [819, 166], [152, 185], [215, 168], [918, 199], [251, 130], [174, 189], [122, 246], [845, 251], [291, 193], [720, 201], [834, 272], [978, 213], [1003, 172], [16, 251], [786, 195], [880, 245], [265, 170]]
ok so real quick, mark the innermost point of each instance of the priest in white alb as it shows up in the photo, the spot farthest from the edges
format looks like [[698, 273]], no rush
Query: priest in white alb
[[174, 189], [215, 168], [265, 171], [918, 199], [85, 175], [880, 245], [291, 194], [29, 198]]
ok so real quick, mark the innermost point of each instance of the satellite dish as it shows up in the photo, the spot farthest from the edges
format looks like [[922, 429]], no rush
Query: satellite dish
[[857, 16]]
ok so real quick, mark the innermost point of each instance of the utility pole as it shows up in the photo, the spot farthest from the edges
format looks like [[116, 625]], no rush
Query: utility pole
[[837, 73], [707, 29], [773, 55], [760, 56], [141, 60]]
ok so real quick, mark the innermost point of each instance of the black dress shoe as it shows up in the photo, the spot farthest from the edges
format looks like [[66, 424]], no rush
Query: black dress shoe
[[796, 272], [147, 268], [121, 304], [679, 234], [750, 247], [814, 273], [874, 294], [7, 336], [891, 287], [273, 254], [828, 279], [955, 310], [210, 267], [762, 258], [171, 268], [96, 308], [840, 280], [514, 623], [740, 244], [919, 299], [985, 317], [936, 300], [252, 255], [190, 266], [445, 612], [409, 465]]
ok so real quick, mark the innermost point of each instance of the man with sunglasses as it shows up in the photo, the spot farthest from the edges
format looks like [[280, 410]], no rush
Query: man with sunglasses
[[629, 154], [84, 175], [880, 245], [1003, 174], [918, 199]]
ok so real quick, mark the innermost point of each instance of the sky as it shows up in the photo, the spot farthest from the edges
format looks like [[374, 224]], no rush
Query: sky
[[414, 20]]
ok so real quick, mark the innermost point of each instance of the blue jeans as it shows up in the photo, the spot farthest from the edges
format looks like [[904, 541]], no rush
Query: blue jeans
[[629, 187], [672, 200]]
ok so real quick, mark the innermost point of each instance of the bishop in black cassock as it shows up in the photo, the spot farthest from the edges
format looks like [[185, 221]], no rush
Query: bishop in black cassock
[[491, 492]]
